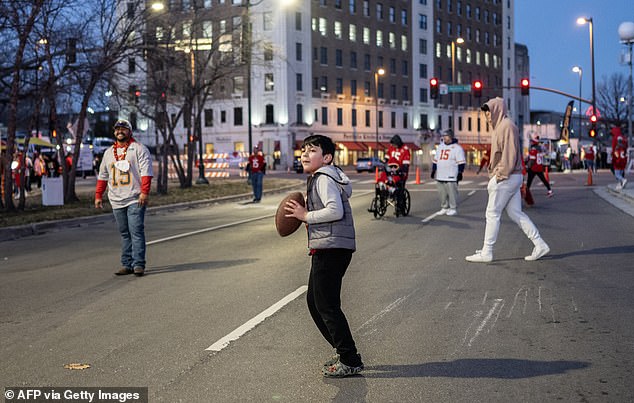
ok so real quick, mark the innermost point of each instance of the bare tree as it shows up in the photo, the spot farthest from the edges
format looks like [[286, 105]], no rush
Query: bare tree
[[610, 93]]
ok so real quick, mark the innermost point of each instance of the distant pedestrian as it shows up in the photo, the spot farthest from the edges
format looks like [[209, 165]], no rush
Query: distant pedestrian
[[484, 162], [535, 167], [331, 240], [505, 172], [619, 162], [257, 169], [39, 169], [448, 165], [126, 170]]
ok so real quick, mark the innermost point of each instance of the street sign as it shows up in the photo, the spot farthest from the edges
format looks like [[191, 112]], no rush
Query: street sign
[[443, 89], [460, 88]]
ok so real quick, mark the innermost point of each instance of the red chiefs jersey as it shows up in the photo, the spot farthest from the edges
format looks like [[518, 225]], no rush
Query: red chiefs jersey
[[619, 158], [536, 160], [257, 163], [400, 156]]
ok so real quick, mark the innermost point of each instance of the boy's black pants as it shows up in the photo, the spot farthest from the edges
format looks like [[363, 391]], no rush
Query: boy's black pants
[[328, 267]]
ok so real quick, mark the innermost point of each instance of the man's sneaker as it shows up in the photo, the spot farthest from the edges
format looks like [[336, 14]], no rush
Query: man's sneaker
[[539, 251], [139, 271], [442, 211], [619, 187], [340, 370], [479, 257], [452, 211], [549, 193], [623, 183], [124, 271]]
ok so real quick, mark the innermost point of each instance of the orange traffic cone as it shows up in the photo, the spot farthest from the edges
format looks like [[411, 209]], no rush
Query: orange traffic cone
[[418, 175], [589, 182], [376, 175]]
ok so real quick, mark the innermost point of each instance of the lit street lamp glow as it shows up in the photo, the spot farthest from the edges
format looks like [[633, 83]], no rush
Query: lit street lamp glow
[[582, 21], [379, 72], [578, 70]]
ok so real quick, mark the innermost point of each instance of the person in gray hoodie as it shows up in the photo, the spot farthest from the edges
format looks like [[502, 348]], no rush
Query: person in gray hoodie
[[331, 242], [505, 173]]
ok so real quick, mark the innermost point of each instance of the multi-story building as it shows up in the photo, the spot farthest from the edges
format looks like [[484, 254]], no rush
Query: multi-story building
[[316, 69]]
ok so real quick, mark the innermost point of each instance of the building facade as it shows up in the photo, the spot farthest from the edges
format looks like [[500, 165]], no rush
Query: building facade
[[355, 70]]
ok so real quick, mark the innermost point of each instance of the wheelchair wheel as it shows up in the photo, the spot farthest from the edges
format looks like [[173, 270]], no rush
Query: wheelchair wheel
[[380, 205], [406, 202]]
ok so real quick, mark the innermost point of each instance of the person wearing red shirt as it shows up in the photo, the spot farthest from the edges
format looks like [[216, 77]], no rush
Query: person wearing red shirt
[[535, 167], [398, 153], [619, 163], [257, 168]]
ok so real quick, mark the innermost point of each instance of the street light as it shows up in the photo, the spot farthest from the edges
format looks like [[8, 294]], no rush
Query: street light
[[453, 80], [578, 70], [626, 33], [581, 21], [379, 72]]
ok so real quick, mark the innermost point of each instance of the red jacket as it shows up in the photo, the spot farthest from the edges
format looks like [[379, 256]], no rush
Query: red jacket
[[619, 158]]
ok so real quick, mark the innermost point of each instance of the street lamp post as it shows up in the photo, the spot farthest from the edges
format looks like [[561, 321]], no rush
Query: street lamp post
[[196, 128], [581, 21], [379, 72], [453, 80], [578, 70], [249, 38], [626, 33]]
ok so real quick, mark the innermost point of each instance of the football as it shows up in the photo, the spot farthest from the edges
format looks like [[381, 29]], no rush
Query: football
[[287, 225]]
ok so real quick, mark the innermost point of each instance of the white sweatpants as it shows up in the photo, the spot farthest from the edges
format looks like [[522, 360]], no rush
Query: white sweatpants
[[506, 194]]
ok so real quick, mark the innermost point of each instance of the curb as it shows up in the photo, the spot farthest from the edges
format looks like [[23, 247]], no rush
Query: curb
[[21, 231]]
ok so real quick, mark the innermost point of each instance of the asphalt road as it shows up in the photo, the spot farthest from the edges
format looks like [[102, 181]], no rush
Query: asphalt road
[[431, 327]]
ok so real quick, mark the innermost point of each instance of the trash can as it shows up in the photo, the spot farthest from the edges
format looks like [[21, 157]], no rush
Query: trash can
[[52, 191]]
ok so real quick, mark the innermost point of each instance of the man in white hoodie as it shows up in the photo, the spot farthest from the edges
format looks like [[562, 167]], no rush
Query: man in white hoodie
[[505, 173]]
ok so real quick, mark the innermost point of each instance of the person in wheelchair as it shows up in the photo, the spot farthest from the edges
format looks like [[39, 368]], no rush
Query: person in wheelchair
[[399, 154]]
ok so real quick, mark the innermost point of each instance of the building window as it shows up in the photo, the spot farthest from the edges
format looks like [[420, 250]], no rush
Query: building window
[[339, 116], [380, 90], [339, 86], [422, 21], [438, 26], [379, 11], [366, 8], [269, 83], [367, 64], [298, 51], [424, 121], [393, 91], [268, 52], [270, 114], [354, 118], [323, 27], [459, 123], [379, 38], [131, 66], [353, 88], [207, 29], [367, 118], [392, 15], [323, 56], [352, 33], [238, 85], [223, 116], [404, 45], [298, 21], [380, 118], [366, 88], [366, 36], [267, 20], [353, 60], [324, 116], [422, 46], [393, 120], [423, 95], [352, 5], [405, 93], [237, 117], [392, 40], [422, 70], [299, 82], [300, 113], [323, 87], [404, 18], [405, 68], [338, 4], [209, 117], [338, 57], [338, 30]]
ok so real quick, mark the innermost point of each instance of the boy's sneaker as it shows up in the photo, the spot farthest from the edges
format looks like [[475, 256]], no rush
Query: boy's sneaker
[[332, 361], [124, 271], [340, 370], [549, 193], [452, 211], [623, 183], [442, 211], [480, 257]]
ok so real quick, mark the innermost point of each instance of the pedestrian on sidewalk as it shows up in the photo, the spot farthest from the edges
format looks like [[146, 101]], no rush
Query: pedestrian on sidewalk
[[126, 170], [331, 241], [447, 168], [484, 161], [257, 168], [535, 167], [619, 162], [505, 172]]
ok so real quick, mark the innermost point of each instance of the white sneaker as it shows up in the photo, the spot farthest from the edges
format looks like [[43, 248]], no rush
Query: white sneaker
[[452, 211], [442, 211], [623, 183], [479, 257], [618, 187], [539, 251]]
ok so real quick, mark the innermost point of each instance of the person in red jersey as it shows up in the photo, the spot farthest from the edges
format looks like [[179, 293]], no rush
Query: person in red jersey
[[535, 167], [257, 168]]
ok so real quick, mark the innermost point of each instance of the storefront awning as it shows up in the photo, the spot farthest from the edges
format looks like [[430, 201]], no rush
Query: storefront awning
[[372, 144], [475, 146], [352, 145]]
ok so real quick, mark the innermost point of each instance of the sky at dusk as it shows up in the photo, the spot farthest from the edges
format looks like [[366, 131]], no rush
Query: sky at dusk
[[556, 43]]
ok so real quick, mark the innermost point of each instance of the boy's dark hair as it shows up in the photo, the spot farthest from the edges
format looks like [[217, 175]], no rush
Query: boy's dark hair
[[325, 143], [484, 107]]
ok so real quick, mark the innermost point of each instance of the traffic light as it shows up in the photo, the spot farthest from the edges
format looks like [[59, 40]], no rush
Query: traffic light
[[593, 125], [593, 132], [525, 86], [137, 95], [593, 119], [433, 88], [476, 88]]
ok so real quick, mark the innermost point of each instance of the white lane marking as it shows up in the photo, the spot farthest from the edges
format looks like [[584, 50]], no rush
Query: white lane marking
[[431, 217], [485, 320], [203, 230], [471, 192], [486, 295], [249, 325], [448, 305], [522, 288]]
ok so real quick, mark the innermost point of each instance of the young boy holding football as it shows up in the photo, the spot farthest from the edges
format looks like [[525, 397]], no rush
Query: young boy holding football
[[331, 240]]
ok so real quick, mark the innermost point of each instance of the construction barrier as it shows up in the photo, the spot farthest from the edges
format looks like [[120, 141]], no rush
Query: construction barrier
[[217, 165]]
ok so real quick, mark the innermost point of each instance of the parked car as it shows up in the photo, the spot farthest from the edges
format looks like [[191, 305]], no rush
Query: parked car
[[297, 165], [369, 164]]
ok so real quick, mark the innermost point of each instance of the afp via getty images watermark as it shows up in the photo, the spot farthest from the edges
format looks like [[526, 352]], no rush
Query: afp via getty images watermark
[[75, 395]]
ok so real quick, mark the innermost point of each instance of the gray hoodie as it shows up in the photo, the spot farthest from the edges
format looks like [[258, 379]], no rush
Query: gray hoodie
[[506, 154], [329, 218]]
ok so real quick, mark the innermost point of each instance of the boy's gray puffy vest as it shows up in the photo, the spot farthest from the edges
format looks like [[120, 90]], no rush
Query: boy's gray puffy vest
[[330, 235]]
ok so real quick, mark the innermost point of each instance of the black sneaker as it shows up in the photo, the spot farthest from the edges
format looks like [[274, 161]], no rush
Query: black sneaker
[[340, 370], [139, 271], [124, 271]]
